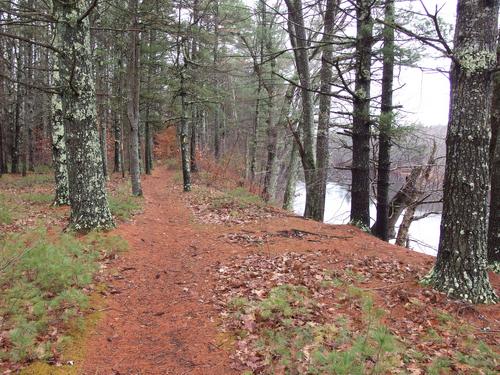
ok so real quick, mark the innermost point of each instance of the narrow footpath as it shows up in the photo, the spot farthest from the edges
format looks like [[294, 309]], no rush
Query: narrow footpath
[[157, 318]]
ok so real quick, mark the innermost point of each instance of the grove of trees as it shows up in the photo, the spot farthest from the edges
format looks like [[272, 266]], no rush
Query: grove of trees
[[266, 88]]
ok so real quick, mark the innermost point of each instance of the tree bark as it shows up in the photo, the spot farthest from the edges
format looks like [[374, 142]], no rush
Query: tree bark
[[298, 39], [133, 100], [460, 269], [402, 239], [255, 132], [59, 151], [322, 144], [494, 219], [117, 123], [360, 185], [291, 180], [217, 110], [89, 205], [18, 118], [193, 137], [381, 227], [183, 135]]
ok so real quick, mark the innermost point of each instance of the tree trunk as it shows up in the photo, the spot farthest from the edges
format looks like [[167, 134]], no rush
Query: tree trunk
[[103, 138], [194, 71], [217, 111], [494, 220], [460, 269], [360, 185], [89, 205], [381, 227], [322, 144], [291, 180], [402, 239], [254, 135], [117, 123], [59, 152], [133, 100], [117, 159], [298, 39], [28, 150], [183, 135], [17, 133], [193, 147], [148, 145], [3, 108]]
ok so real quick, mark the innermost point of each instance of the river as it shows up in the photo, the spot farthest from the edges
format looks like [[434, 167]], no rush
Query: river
[[424, 233]]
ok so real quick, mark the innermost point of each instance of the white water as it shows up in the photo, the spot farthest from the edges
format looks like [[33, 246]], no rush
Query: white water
[[424, 233]]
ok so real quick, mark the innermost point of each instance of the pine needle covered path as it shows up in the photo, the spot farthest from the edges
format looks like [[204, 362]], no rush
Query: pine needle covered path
[[187, 298], [157, 320]]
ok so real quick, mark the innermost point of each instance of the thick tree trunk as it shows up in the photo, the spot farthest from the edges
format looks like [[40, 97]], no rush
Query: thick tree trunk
[[494, 220], [381, 227], [460, 269], [133, 101], [89, 205], [59, 152], [360, 188]]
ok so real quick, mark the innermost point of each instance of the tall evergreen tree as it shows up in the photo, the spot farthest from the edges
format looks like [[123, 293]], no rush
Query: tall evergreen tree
[[461, 267], [361, 129], [89, 204], [381, 227]]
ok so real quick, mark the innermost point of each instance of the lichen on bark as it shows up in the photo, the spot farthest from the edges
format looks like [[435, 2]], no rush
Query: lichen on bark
[[461, 264], [89, 205]]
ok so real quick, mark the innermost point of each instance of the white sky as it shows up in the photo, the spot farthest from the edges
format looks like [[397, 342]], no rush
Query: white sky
[[425, 95]]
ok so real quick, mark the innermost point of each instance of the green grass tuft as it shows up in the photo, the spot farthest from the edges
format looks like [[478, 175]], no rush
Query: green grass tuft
[[42, 283], [41, 198], [122, 204]]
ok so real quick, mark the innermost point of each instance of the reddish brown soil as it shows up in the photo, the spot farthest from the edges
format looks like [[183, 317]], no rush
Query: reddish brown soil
[[160, 318]]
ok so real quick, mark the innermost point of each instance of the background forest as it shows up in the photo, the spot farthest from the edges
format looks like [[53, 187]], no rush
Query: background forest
[[296, 98]]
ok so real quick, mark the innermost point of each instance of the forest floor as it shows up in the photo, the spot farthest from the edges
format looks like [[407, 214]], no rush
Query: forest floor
[[217, 282], [197, 258]]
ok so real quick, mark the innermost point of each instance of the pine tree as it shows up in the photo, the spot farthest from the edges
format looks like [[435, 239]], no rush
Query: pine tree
[[89, 205], [461, 267]]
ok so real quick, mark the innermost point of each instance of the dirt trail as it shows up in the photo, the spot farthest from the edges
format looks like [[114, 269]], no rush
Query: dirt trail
[[160, 316], [158, 321]]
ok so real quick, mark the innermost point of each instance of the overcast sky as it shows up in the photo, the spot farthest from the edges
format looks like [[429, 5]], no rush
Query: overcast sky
[[425, 95]]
